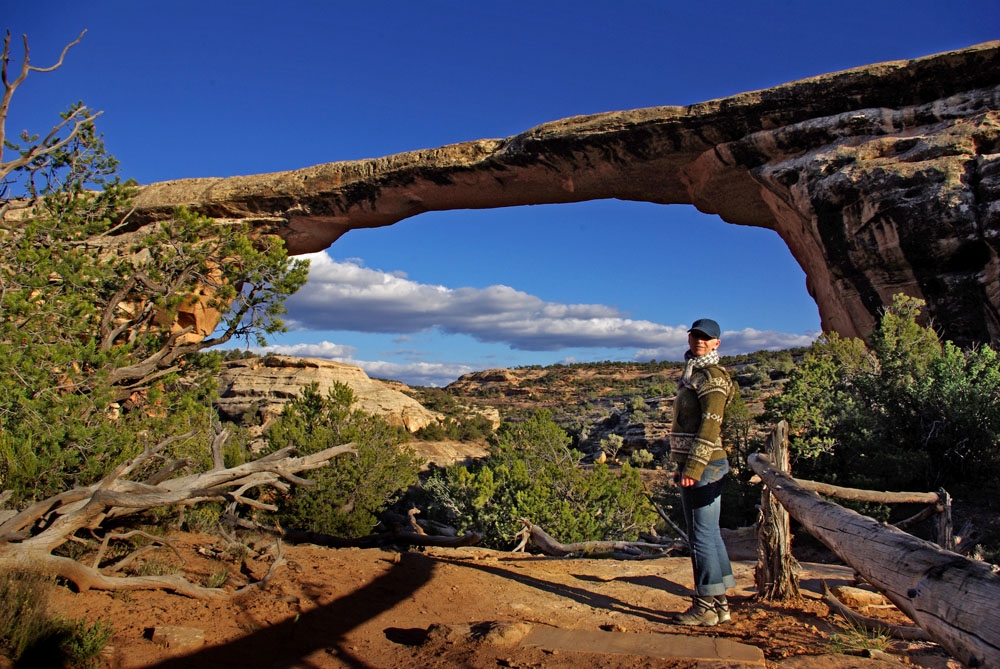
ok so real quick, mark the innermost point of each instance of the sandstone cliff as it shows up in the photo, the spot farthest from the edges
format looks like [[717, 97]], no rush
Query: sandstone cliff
[[880, 179], [266, 384]]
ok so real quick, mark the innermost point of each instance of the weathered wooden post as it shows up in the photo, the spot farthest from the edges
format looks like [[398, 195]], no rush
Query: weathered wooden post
[[945, 534], [774, 575]]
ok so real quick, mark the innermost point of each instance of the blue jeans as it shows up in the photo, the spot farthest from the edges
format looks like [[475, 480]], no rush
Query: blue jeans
[[702, 502]]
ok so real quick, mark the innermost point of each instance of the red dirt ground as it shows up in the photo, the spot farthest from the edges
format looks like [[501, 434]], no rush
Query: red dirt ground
[[452, 607]]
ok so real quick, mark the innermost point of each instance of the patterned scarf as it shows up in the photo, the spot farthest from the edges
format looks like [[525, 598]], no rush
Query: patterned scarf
[[692, 363]]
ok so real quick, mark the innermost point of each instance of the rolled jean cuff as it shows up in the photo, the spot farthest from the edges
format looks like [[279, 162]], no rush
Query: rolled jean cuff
[[713, 589]]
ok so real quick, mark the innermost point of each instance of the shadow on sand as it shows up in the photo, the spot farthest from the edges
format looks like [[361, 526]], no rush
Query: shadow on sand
[[288, 643]]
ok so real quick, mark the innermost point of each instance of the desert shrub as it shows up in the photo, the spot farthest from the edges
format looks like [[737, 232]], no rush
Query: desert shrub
[[855, 639], [532, 473], [351, 491], [32, 635], [203, 517], [819, 396], [641, 458], [433, 431], [738, 427], [907, 412], [611, 444], [752, 376], [468, 428], [638, 403]]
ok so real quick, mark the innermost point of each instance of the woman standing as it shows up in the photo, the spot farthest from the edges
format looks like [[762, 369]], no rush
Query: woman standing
[[703, 393]]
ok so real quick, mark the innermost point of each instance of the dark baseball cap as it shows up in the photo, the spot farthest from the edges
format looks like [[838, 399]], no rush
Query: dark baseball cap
[[706, 326]]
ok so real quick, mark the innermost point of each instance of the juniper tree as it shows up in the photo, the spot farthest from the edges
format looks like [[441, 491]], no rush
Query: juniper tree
[[94, 361]]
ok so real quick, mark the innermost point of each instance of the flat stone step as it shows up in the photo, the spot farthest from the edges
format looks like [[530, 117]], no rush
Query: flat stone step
[[668, 646]]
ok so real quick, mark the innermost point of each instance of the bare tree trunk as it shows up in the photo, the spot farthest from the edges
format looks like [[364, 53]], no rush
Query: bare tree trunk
[[775, 573], [949, 596]]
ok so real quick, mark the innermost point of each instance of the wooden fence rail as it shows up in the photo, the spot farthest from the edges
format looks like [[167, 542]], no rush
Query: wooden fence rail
[[951, 597]]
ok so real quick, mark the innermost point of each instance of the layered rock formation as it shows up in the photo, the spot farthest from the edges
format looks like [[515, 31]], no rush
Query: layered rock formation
[[881, 179], [265, 385]]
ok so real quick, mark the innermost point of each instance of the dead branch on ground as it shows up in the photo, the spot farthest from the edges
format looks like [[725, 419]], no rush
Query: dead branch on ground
[[30, 536], [619, 550]]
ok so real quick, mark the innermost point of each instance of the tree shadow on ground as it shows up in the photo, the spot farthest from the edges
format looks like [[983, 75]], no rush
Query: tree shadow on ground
[[579, 595], [289, 642]]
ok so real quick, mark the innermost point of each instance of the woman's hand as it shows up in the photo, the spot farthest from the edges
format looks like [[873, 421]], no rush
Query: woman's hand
[[683, 480]]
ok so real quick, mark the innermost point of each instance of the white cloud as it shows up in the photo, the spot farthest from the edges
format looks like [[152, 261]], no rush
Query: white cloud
[[433, 374], [734, 342], [348, 296], [749, 340]]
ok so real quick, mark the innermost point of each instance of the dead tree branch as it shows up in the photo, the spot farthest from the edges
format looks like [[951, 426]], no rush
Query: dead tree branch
[[30, 536], [666, 518], [279, 560], [620, 550]]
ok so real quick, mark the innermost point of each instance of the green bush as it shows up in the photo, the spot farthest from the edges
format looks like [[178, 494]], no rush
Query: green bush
[[611, 444], [90, 375], [637, 404], [641, 458], [532, 473], [908, 412], [351, 491], [471, 428], [31, 635]]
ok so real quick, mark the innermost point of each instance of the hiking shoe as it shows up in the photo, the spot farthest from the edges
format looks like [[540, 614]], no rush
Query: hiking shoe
[[722, 609], [701, 613]]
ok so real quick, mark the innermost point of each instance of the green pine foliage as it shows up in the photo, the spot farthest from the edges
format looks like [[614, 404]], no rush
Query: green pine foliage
[[91, 371], [348, 494], [819, 394], [532, 473], [908, 412]]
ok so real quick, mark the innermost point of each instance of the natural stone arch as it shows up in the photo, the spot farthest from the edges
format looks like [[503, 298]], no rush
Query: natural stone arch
[[881, 179]]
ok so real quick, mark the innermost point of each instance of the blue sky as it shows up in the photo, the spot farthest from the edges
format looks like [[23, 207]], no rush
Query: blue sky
[[211, 88]]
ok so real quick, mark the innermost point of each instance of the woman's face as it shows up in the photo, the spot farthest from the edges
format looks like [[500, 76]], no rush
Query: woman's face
[[699, 343]]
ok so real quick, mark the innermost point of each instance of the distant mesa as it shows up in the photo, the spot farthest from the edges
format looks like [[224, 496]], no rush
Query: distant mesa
[[265, 385], [261, 387], [881, 179]]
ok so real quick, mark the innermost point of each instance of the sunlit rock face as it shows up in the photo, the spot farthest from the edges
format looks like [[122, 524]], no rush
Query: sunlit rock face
[[264, 385], [880, 179]]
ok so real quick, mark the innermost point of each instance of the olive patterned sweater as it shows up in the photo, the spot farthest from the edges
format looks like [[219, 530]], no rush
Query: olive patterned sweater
[[696, 429]]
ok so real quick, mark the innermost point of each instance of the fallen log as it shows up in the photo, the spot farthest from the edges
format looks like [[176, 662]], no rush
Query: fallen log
[[880, 497], [950, 597], [938, 504], [872, 624], [622, 550]]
